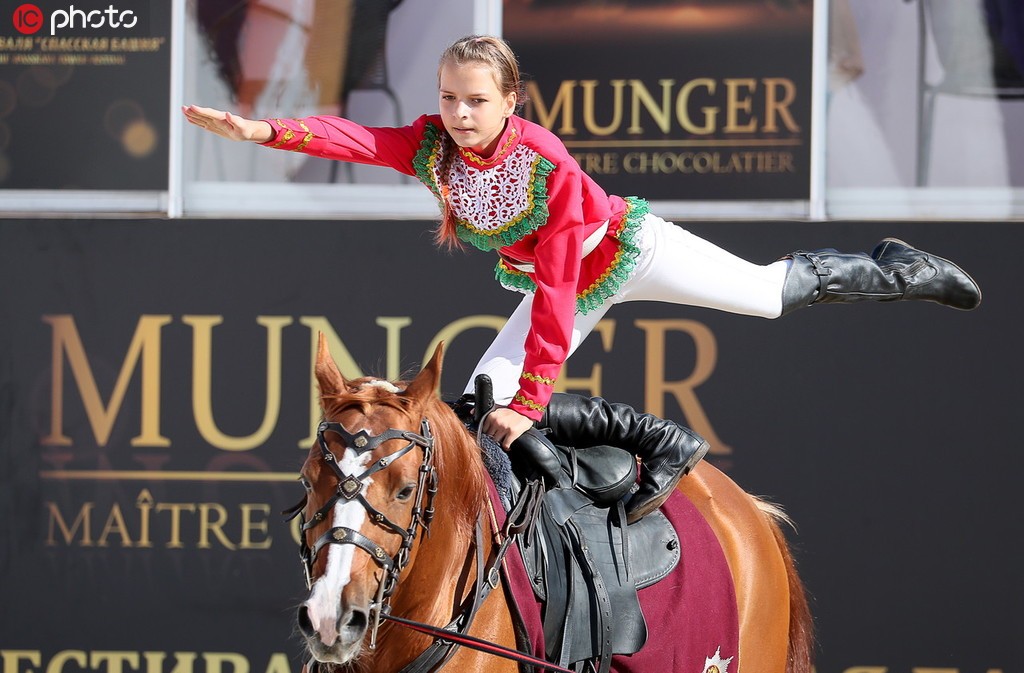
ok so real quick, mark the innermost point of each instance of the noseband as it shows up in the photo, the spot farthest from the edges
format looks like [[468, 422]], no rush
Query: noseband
[[350, 488]]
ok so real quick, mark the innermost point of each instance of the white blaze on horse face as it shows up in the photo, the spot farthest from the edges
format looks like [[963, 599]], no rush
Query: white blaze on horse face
[[325, 600]]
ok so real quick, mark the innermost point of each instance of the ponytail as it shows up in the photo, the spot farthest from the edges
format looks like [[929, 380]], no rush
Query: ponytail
[[445, 235]]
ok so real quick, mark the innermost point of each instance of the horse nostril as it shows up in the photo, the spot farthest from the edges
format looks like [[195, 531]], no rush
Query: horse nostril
[[357, 621], [305, 624]]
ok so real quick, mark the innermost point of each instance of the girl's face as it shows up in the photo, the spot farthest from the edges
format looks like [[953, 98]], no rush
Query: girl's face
[[472, 106]]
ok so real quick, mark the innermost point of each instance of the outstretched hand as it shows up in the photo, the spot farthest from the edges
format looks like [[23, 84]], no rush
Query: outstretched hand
[[505, 426], [228, 125]]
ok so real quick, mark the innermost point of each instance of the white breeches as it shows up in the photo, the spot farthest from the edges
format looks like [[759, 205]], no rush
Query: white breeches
[[674, 266]]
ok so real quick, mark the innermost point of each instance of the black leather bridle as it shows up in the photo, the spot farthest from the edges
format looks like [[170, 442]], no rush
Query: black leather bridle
[[350, 488], [448, 638]]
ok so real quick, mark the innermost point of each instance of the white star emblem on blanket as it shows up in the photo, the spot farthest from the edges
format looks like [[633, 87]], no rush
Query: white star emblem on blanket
[[716, 664]]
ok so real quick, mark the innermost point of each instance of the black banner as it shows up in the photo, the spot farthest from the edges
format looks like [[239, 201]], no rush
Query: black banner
[[88, 81], [674, 99], [156, 392]]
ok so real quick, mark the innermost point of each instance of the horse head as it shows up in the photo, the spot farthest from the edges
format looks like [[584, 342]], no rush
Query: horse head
[[371, 479]]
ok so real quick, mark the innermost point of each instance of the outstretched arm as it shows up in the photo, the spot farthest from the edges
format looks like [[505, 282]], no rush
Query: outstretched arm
[[228, 125], [324, 136]]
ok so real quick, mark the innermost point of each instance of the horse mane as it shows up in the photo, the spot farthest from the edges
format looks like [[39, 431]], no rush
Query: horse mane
[[460, 466], [461, 472]]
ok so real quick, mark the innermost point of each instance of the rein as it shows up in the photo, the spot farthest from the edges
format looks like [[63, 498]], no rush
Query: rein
[[350, 488], [478, 644]]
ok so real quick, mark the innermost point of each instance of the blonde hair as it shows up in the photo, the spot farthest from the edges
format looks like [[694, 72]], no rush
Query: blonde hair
[[494, 53], [491, 51]]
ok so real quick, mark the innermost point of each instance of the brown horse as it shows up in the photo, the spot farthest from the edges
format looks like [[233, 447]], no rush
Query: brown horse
[[389, 455]]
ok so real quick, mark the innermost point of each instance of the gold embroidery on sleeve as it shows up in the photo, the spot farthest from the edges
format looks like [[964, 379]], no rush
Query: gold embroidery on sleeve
[[530, 404], [538, 379]]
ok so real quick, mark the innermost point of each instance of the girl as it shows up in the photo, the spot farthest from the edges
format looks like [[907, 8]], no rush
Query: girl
[[506, 184]]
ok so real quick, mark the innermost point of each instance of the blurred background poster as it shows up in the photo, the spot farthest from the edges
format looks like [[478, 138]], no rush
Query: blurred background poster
[[371, 61], [84, 95], [674, 99]]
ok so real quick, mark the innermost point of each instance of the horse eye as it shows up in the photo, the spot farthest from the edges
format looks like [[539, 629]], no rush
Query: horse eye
[[406, 492], [305, 484]]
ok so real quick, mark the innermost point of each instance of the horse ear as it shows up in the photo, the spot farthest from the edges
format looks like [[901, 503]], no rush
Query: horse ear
[[426, 382], [327, 373]]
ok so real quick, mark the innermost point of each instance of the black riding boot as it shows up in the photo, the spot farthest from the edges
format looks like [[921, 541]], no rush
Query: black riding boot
[[666, 449], [895, 271]]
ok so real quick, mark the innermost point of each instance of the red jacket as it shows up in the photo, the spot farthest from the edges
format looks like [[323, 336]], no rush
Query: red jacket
[[530, 202]]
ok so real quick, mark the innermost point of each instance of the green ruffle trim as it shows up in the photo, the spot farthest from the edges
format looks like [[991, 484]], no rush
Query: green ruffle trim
[[624, 263], [618, 272], [513, 279], [426, 158], [532, 218]]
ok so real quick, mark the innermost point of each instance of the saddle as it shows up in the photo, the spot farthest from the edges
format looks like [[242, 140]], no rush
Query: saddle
[[567, 508]]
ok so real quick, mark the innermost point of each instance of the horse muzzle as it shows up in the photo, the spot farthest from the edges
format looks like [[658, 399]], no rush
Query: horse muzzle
[[336, 642]]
